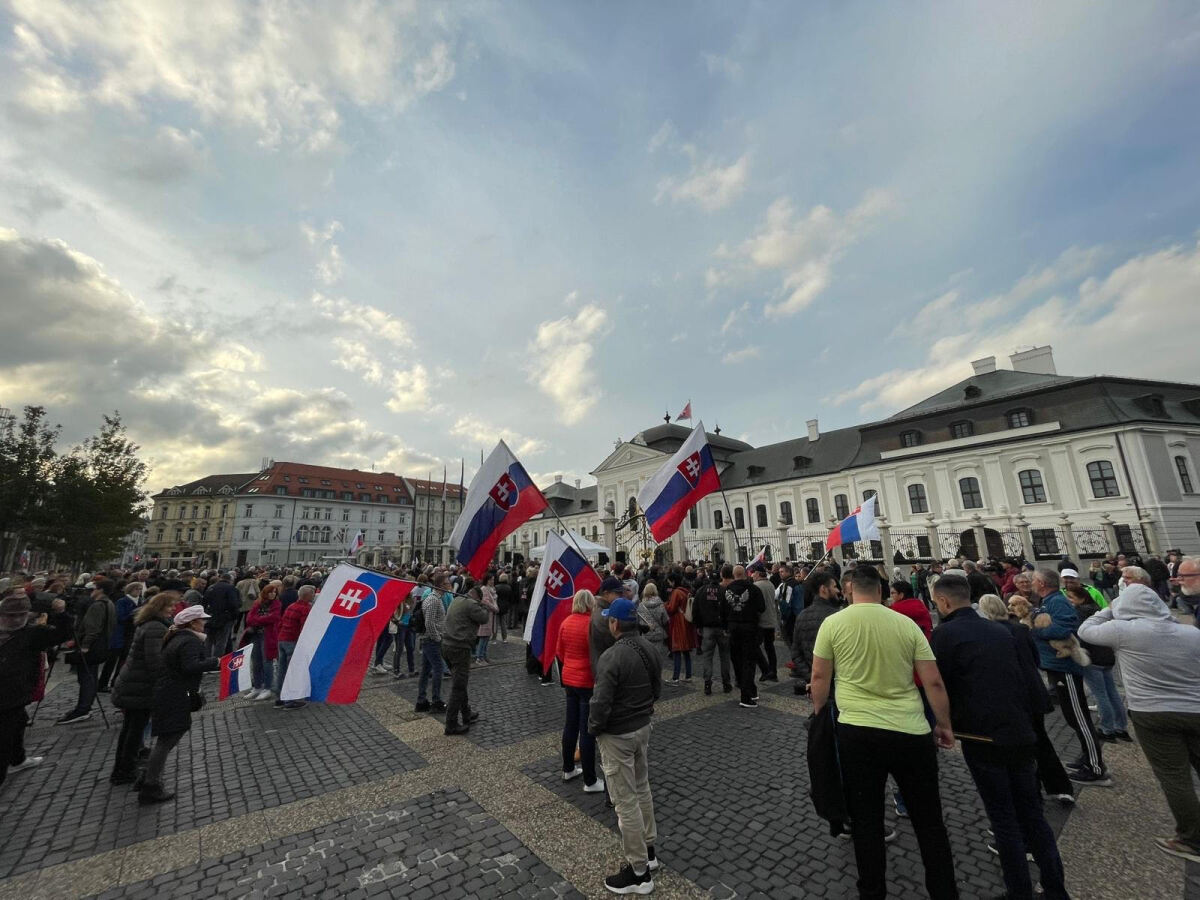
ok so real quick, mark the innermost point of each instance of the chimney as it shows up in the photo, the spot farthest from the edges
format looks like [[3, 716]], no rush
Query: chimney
[[558, 479], [984, 366], [814, 433], [1038, 361], [577, 484]]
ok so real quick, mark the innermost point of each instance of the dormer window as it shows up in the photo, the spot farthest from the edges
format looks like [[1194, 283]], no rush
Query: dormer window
[[1192, 406], [1019, 418], [755, 471], [971, 392], [962, 429], [801, 462], [910, 438], [1152, 404]]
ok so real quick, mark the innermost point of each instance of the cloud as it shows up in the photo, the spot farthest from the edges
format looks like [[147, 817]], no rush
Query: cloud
[[329, 258], [733, 357], [708, 185], [665, 135], [355, 356], [34, 197], [722, 65], [485, 434], [804, 247], [409, 390], [562, 350], [1111, 324], [734, 315], [170, 155], [278, 69], [362, 317]]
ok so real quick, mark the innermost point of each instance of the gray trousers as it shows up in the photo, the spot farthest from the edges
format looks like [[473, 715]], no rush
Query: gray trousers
[[625, 759], [714, 639], [163, 745], [1171, 743]]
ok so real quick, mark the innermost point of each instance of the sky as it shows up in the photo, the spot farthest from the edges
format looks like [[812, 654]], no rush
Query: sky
[[389, 234]]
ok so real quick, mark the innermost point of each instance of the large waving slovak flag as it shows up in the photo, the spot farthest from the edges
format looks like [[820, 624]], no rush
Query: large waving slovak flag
[[501, 497], [858, 526], [564, 572], [235, 671], [678, 486], [335, 646]]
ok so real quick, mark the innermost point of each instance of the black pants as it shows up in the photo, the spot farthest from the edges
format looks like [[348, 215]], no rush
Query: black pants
[[767, 660], [86, 673], [1073, 702], [459, 661], [1009, 790], [744, 647], [133, 726], [12, 738], [1050, 771], [112, 665], [868, 756]]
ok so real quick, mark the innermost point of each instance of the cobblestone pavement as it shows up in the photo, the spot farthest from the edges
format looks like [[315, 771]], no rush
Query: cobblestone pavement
[[372, 800]]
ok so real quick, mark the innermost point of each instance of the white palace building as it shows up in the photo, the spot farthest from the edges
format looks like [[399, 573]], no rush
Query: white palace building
[[1008, 462]]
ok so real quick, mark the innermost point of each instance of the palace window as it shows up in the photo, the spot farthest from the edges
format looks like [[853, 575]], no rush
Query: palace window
[[1103, 479], [1019, 418], [918, 502], [972, 497], [275, 529], [245, 532], [1032, 488], [962, 429], [1185, 476], [760, 516], [279, 510], [718, 519], [812, 509], [739, 517], [1045, 542], [785, 512], [841, 506], [249, 510], [693, 519], [910, 438], [868, 494]]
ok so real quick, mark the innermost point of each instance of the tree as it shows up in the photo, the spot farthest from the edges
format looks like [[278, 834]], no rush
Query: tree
[[27, 458]]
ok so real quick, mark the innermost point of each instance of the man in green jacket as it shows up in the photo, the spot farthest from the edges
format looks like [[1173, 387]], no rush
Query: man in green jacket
[[1070, 578], [463, 618]]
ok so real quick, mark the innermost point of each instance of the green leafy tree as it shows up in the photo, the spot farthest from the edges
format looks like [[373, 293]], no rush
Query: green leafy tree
[[27, 459]]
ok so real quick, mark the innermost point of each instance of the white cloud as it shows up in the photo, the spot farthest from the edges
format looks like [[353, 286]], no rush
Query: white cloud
[[280, 69], [329, 257], [485, 434], [561, 352], [355, 356], [709, 185], [733, 357], [722, 65], [665, 135], [804, 247], [1112, 325], [409, 390], [170, 155], [364, 318], [734, 315]]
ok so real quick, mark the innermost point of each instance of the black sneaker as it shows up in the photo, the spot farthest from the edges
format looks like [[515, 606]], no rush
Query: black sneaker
[[153, 793], [652, 860], [708, 688], [1085, 776], [751, 705], [72, 717], [626, 882], [728, 687], [295, 704], [471, 717], [1123, 736], [438, 706], [422, 706], [992, 848], [1106, 737], [457, 729]]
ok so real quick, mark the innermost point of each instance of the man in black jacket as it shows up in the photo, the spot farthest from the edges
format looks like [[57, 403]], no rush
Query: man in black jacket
[[742, 603], [223, 604], [994, 693], [708, 614], [824, 599]]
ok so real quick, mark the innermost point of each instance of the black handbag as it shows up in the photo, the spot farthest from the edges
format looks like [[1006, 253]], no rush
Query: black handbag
[[197, 699]]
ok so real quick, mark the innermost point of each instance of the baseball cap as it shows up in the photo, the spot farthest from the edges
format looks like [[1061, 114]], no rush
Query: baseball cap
[[622, 609], [1068, 573], [611, 584], [191, 614]]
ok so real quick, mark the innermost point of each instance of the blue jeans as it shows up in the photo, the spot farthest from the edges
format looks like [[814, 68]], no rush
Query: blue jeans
[[431, 667], [481, 647], [381, 646], [682, 656], [1010, 794], [406, 638], [86, 674], [575, 729], [1099, 680], [286, 649], [262, 670]]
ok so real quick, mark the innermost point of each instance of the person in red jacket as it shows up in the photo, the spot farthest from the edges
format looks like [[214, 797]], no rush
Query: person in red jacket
[[578, 679], [290, 627], [262, 620], [904, 601]]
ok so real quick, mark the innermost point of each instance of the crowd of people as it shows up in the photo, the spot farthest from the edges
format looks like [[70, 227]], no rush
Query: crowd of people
[[896, 663]]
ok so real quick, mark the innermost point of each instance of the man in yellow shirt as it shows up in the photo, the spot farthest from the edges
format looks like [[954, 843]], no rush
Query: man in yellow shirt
[[882, 730]]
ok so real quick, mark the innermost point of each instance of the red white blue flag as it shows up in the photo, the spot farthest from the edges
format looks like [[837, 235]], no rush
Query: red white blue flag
[[335, 647], [500, 499], [858, 526], [235, 671], [564, 572], [355, 544], [678, 486]]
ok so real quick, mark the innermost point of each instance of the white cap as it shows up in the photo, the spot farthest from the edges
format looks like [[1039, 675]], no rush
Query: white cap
[[1068, 573], [191, 614]]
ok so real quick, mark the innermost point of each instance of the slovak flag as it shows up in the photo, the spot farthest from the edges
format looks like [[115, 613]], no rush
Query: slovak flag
[[678, 486], [235, 671], [501, 497], [564, 572], [761, 558], [858, 526], [685, 413], [339, 635], [356, 543]]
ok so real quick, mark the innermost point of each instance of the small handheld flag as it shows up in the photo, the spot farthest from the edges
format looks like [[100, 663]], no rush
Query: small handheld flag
[[356, 543], [761, 558], [235, 672], [564, 572], [339, 635], [685, 413], [858, 526], [678, 486], [500, 499]]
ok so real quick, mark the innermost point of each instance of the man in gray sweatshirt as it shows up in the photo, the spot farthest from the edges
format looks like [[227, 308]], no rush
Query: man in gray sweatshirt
[[628, 681], [1159, 659], [463, 619]]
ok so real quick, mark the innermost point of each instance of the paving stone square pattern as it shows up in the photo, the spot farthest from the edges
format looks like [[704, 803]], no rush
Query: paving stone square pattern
[[440, 845], [237, 758]]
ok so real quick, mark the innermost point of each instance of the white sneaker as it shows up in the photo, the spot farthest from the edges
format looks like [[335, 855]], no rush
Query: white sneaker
[[249, 695], [380, 670], [596, 787], [574, 773], [265, 695], [30, 762]]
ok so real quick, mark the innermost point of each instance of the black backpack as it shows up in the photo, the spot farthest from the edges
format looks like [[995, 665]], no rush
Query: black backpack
[[417, 620]]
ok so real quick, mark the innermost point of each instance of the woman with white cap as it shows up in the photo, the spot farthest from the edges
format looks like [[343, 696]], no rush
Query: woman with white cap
[[176, 696]]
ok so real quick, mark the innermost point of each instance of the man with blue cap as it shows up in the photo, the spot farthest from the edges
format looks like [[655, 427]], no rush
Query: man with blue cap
[[628, 682]]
